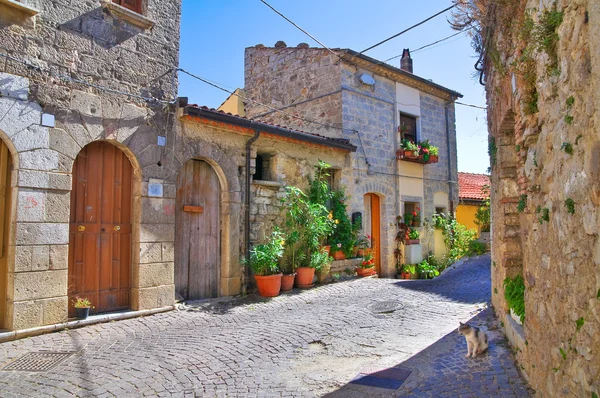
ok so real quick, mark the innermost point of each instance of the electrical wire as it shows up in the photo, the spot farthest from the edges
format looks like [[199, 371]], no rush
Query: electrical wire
[[430, 44], [407, 29], [302, 30], [217, 86], [472, 106]]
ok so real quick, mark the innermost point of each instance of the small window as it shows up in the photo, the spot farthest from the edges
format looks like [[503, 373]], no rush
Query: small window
[[133, 5], [410, 209], [440, 210], [263, 168], [408, 127]]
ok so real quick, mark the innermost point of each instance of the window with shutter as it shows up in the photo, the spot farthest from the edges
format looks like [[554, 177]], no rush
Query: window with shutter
[[133, 5]]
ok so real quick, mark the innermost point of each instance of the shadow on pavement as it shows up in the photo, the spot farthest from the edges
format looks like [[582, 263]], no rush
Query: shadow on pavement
[[441, 370]]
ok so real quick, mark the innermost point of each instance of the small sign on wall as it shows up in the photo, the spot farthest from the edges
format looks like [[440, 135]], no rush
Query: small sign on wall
[[155, 188]]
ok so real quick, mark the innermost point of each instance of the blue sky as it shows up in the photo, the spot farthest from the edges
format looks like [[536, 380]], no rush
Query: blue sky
[[214, 34]]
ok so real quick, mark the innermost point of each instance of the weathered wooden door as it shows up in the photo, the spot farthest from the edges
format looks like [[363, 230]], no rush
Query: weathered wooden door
[[375, 213], [5, 169], [100, 228], [197, 226]]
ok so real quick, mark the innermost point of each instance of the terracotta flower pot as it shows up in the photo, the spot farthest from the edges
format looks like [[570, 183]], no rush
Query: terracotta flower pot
[[268, 286], [339, 255], [368, 251], [360, 252], [405, 275], [354, 252], [287, 282], [304, 277], [365, 271], [411, 154], [413, 241], [433, 158], [326, 249]]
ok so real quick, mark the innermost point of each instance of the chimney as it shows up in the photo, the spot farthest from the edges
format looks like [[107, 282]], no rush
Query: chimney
[[406, 61]]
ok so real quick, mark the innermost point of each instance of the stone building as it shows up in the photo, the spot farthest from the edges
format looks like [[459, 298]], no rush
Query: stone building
[[541, 67], [473, 190], [344, 94], [236, 152], [88, 169]]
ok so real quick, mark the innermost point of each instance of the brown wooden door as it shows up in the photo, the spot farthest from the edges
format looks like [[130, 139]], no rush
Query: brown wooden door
[[5, 169], [375, 229], [100, 228], [197, 226]]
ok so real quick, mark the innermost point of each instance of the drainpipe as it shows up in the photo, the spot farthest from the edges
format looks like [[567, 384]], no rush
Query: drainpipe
[[247, 209], [396, 147], [449, 157]]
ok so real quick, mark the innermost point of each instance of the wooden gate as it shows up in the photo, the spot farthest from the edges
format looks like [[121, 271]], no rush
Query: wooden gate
[[100, 228], [5, 169], [375, 222], [197, 226]]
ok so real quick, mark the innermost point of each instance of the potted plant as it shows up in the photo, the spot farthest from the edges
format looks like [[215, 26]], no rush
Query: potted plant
[[408, 219], [367, 266], [416, 217], [411, 150], [338, 253], [264, 260], [426, 270], [82, 307], [363, 242], [413, 237], [433, 154], [321, 263], [407, 271]]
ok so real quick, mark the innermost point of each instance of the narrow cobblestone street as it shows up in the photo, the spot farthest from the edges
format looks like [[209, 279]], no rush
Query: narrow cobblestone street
[[307, 343]]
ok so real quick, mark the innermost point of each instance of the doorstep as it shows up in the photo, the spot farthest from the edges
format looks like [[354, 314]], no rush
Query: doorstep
[[77, 323]]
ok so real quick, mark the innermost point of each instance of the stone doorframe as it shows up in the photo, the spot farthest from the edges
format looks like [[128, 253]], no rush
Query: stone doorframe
[[230, 282]]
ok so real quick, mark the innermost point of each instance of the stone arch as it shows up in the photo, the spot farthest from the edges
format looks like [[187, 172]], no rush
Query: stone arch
[[135, 221], [229, 218]]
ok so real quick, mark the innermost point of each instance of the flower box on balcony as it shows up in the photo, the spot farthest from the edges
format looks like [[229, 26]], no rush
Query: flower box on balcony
[[422, 152]]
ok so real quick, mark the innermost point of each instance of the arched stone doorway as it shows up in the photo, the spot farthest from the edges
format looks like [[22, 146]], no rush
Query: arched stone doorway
[[100, 230], [5, 211], [198, 231]]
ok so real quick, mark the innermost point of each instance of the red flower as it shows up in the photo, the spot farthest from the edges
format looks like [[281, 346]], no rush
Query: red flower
[[425, 150], [414, 213]]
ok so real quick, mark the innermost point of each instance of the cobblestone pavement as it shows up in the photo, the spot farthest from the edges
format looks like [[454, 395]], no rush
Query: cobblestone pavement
[[303, 344]]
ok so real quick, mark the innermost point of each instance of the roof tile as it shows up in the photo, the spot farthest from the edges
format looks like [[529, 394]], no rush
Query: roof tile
[[470, 186]]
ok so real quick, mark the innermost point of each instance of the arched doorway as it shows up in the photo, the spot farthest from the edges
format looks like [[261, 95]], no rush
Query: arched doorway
[[100, 228], [198, 235], [373, 226], [5, 170]]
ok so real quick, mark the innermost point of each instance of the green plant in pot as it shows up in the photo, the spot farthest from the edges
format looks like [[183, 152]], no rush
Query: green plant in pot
[[344, 234], [426, 270], [367, 266], [82, 307], [264, 259], [320, 261], [407, 270], [413, 237]]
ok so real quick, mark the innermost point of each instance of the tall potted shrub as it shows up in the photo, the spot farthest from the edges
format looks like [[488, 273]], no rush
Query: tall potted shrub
[[264, 260], [344, 234]]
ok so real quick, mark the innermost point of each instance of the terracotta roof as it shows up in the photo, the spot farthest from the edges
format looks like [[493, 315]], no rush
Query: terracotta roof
[[282, 131], [470, 186]]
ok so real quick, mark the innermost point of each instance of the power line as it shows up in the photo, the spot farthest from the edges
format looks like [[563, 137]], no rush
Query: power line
[[217, 86], [302, 30], [407, 29], [472, 106], [430, 44]]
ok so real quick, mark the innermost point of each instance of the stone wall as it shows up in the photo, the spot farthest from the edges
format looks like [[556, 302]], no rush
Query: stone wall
[[67, 49], [544, 105]]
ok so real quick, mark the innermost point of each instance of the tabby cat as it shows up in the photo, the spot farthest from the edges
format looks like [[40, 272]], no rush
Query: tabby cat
[[477, 341]]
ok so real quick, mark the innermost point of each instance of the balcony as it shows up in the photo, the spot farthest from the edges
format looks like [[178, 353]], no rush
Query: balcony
[[421, 152]]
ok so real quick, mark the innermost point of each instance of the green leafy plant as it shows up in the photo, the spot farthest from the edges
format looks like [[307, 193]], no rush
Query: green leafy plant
[[580, 322], [368, 261], [544, 215], [264, 257], [82, 302], [578, 138], [570, 102], [456, 238], [563, 354], [438, 220], [476, 248], [408, 268], [514, 293], [363, 242], [568, 119], [408, 218], [492, 150], [546, 37], [413, 234], [319, 259], [567, 147], [344, 233], [522, 203], [570, 203], [318, 189], [482, 215], [427, 271], [518, 148]]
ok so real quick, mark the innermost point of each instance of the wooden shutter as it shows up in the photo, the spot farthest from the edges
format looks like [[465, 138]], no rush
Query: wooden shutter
[[134, 5]]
